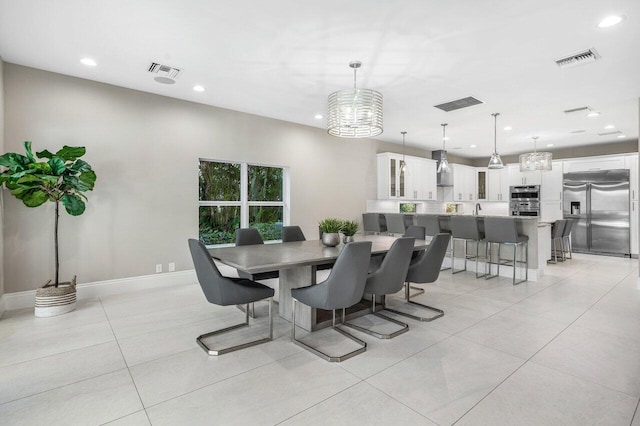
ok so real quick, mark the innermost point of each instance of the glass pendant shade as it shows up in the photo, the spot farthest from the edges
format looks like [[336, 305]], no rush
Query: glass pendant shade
[[443, 165], [535, 161], [355, 113], [403, 164], [495, 162]]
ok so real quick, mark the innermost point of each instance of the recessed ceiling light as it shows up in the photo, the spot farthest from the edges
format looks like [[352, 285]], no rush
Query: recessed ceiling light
[[318, 116], [88, 62], [609, 126], [621, 136], [473, 146], [446, 138], [508, 128], [198, 88], [610, 21], [593, 114], [549, 145]]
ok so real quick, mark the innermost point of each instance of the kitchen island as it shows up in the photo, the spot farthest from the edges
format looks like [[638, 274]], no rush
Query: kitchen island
[[539, 234]]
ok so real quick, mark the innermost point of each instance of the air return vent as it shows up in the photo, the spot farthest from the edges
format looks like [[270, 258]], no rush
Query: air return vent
[[578, 58], [617, 132], [579, 109], [459, 104], [165, 74], [575, 132]]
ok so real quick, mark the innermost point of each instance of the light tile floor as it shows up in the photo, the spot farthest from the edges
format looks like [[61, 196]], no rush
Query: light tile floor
[[565, 350]]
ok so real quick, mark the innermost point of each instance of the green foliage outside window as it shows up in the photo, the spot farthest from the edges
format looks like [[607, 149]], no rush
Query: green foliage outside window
[[222, 182]]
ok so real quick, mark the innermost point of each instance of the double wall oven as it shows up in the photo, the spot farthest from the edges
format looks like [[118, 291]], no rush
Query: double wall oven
[[524, 200]]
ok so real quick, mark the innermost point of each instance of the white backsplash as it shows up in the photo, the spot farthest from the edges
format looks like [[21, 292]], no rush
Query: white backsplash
[[435, 207]]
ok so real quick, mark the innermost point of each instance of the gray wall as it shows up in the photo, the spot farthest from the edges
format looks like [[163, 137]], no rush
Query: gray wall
[[2, 269], [144, 149]]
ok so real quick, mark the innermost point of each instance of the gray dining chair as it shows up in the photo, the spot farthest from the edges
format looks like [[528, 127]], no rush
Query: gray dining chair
[[423, 270], [294, 233], [225, 291], [388, 279], [432, 227], [249, 237], [343, 288]]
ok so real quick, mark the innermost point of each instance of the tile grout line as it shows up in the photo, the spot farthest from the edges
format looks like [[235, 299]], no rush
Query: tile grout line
[[547, 344], [125, 363]]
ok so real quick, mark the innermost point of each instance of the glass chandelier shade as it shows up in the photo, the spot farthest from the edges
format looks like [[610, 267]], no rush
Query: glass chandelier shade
[[443, 166], [495, 162], [535, 161], [355, 113]]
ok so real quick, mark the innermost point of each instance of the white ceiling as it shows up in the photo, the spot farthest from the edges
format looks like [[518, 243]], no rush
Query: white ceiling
[[281, 58]]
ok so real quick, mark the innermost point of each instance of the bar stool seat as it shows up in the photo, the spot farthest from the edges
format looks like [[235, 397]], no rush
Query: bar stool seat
[[504, 231], [557, 232], [566, 239], [466, 228], [433, 227]]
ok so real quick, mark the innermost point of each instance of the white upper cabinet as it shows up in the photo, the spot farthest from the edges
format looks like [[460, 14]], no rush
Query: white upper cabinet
[[417, 182], [594, 163], [518, 178], [464, 183], [551, 183], [498, 184]]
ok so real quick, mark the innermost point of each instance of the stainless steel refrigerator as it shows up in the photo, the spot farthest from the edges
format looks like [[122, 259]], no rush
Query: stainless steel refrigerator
[[599, 201]]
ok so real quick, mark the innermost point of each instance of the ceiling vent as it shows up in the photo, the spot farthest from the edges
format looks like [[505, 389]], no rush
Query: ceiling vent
[[580, 109], [617, 132], [575, 132], [578, 58], [165, 74], [459, 104]]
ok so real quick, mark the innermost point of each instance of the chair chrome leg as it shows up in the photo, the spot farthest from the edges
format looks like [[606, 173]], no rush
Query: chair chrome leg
[[440, 312], [404, 327], [318, 352], [215, 352], [478, 257], [525, 261], [487, 273], [453, 257]]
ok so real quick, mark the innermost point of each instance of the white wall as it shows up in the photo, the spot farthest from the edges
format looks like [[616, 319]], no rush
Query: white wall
[[145, 149], [1, 191]]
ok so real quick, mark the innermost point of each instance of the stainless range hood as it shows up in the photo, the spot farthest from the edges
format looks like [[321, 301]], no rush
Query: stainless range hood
[[444, 179]]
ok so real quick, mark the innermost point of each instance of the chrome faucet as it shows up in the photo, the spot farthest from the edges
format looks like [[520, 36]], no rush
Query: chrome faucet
[[477, 210]]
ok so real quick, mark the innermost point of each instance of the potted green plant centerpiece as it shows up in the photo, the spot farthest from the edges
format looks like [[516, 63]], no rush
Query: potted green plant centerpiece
[[330, 228], [349, 229], [60, 178]]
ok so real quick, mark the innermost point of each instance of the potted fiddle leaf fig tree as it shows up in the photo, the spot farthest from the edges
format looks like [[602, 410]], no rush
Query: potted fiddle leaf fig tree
[[60, 178]]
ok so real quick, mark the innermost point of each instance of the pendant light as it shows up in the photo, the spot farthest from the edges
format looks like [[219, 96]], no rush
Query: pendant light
[[535, 161], [443, 166], [355, 113], [403, 164], [495, 162]]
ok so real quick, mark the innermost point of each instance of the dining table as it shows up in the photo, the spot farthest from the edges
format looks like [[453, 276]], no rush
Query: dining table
[[297, 263]]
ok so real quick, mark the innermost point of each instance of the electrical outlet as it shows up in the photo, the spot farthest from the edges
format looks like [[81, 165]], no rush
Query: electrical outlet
[[159, 267], [172, 267]]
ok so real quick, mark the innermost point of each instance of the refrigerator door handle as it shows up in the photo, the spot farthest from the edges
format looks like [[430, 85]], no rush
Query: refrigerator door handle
[[589, 216]]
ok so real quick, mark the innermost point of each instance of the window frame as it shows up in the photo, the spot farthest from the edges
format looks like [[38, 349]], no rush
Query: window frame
[[244, 202]]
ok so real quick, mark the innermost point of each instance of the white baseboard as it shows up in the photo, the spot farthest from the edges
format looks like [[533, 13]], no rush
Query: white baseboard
[[26, 299]]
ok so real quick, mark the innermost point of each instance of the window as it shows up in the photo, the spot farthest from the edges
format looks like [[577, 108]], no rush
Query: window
[[241, 195]]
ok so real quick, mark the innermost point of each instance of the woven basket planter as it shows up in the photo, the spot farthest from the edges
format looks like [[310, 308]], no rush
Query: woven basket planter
[[52, 301]]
